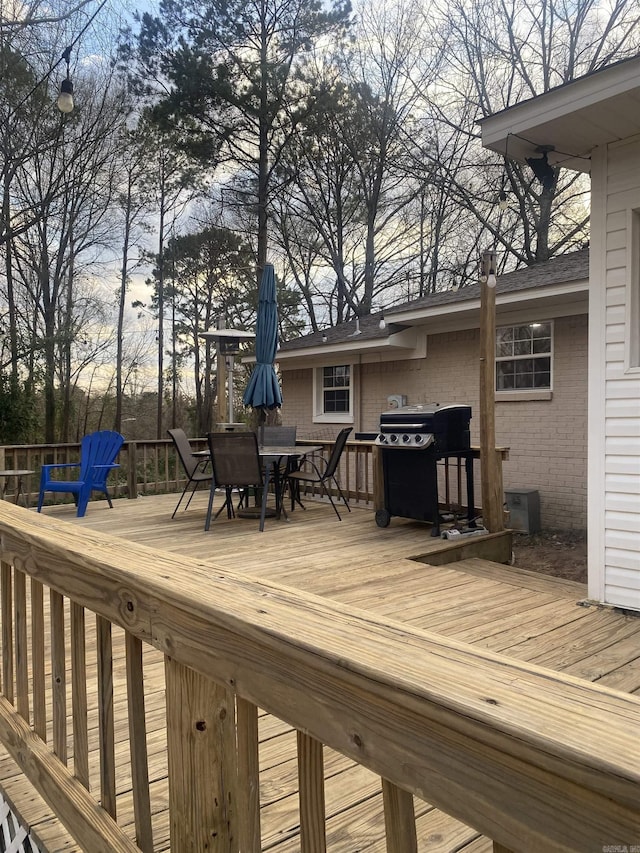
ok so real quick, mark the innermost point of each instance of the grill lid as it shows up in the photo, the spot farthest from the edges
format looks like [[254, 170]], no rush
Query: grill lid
[[423, 425]]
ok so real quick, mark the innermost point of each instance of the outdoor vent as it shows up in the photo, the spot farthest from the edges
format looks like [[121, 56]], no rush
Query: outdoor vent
[[396, 401]]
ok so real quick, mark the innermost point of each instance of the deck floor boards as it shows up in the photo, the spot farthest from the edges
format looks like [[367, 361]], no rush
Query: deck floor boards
[[505, 609]]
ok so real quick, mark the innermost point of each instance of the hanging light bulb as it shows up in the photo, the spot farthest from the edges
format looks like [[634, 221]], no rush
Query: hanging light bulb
[[65, 98], [503, 201], [383, 323], [488, 268], [324, 337]]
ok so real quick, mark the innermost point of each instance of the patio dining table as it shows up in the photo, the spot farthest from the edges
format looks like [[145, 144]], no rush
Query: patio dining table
[[278, 456]]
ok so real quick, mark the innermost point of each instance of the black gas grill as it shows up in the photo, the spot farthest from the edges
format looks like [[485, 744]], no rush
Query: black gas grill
[[413, 439]]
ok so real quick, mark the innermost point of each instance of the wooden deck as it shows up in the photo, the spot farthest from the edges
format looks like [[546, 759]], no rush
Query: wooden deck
[[524, 615]]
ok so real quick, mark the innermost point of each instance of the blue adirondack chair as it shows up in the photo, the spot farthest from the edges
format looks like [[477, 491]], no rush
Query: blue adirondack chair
[[97, 457]]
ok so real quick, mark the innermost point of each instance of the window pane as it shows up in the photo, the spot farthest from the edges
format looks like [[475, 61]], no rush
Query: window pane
[[542, 373], [505, 378], [542, 345], [504, 341], [541, 330], [522, 333], [504, 334], [522, 347], [336, 401]]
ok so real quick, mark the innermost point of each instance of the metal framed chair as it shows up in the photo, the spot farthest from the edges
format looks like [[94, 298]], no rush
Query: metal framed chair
[[320, 476], [277, 436], [195, 467], [98, 452], [236, 465]]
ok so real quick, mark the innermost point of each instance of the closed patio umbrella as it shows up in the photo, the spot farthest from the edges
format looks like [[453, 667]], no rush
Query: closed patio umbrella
[[263, 390]]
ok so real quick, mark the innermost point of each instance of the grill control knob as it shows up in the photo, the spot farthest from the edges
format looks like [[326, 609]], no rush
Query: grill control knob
[[418, 438], [393, 438], [382, 438], [406, 438]]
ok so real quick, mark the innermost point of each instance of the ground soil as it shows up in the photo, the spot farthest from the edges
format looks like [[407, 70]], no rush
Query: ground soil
[[560, 553]]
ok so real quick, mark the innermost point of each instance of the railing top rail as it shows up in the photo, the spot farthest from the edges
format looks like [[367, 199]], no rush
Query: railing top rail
[[528, 756]]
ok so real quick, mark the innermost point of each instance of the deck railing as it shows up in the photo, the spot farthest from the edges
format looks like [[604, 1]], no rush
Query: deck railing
[[528, 757], [151, 467]]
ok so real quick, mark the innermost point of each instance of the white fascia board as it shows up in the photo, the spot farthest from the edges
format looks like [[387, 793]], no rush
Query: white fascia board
[[406, 343], [438, 312], [500, 131]]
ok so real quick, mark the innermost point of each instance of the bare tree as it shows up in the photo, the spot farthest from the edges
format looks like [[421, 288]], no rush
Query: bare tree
[[227, 72], [496, 53], [349, 185], [73, 229]]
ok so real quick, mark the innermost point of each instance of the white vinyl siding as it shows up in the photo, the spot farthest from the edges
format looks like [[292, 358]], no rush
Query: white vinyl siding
[[618, 297]]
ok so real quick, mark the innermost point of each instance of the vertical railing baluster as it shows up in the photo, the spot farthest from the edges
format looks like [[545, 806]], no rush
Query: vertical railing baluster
[[167, 454], [6, 590], [311, 792], [37, 660], [138, 743], [399, 819], [157, 471], [248, 777], [58, 676], [79, 694], [447, 485], [105, 716], [145, 478], [22, 656]]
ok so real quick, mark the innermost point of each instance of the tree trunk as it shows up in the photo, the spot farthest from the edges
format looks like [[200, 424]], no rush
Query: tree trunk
[[117, 421]]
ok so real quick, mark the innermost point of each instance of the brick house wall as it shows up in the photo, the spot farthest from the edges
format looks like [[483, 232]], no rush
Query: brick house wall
[[547, 438]]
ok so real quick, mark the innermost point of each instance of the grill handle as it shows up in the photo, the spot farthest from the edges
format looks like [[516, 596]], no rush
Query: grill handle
[[387, 427]]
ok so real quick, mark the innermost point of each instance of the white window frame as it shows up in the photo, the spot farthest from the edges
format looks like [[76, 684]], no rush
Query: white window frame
[[632, 330], [525, 393], [319, 414]]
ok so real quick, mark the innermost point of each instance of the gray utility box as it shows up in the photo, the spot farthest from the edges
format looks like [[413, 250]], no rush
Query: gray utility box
[[524, 509]]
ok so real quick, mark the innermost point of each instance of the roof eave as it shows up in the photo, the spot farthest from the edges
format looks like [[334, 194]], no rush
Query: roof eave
[[552, 118], [403, 340]]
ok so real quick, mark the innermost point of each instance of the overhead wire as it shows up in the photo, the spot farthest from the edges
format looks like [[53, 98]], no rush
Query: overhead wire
[[65, 57]]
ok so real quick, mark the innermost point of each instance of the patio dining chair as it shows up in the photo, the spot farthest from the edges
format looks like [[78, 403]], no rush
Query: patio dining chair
[[98, 452], [195, 467], [236, 465], [277, 436], [321, 473]]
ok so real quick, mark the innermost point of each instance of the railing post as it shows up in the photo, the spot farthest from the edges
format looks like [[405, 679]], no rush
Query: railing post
[[378, 478], [202, 762], [132, 473]]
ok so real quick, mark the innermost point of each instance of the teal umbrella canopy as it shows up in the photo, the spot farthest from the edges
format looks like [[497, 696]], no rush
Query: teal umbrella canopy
[[263, 390]]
